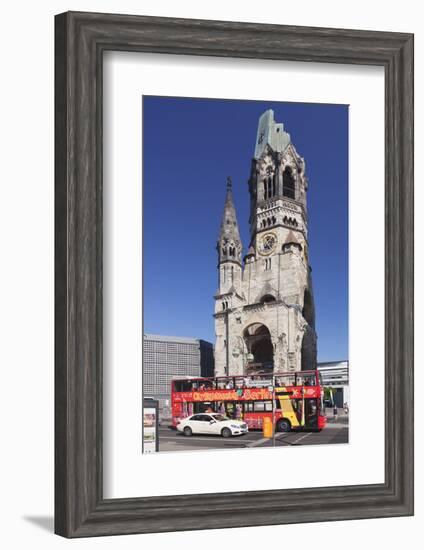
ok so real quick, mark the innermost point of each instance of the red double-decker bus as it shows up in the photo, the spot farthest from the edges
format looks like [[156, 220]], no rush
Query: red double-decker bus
[[292, 401]]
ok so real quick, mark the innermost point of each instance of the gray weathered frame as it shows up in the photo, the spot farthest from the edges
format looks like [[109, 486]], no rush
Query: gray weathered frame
[[80, 40]]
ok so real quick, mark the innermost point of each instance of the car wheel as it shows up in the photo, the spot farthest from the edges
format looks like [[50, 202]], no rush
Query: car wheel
[[226, 432], [188, 431], [283, 425]]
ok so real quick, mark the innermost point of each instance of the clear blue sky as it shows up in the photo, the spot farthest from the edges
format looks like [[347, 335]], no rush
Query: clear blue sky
[[190, 147]]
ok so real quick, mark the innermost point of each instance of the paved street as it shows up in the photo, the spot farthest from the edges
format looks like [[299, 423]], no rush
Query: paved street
[[171, 440]]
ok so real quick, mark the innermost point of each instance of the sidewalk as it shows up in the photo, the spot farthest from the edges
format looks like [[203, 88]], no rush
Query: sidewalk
[[341, 418]]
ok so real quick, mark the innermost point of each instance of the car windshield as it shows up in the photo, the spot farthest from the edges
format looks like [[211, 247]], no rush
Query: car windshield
[[219, 417]]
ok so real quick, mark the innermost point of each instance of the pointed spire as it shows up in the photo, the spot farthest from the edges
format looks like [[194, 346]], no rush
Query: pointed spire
[[229, 184], [251, 251], [291, 239], [229, 243], [229, 225]]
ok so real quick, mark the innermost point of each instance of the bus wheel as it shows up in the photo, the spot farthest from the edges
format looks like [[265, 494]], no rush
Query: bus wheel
[[188, 431], [226, 432], [283, 425]]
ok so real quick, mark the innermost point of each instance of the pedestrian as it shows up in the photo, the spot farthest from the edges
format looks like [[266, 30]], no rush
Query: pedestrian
[[335, 412]]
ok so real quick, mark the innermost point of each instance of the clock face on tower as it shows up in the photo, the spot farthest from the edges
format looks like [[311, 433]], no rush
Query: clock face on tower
[[267, 244]]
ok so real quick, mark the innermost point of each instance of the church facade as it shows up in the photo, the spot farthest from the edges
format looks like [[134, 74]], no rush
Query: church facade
[[264, 306]]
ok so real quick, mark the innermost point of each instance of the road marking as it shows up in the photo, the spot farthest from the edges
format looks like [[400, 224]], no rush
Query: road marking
[[300, 438], [197, 438], [237, 441], [281, 438], [260, 441]]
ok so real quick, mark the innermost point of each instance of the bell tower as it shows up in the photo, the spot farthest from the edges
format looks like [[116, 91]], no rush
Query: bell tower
[[277, 188], [264, 313]]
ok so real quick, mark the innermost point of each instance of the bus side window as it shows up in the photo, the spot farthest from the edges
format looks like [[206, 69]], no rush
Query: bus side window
[[182, 385], [287, 380], [178, 385], [261, 406], [277, 404]]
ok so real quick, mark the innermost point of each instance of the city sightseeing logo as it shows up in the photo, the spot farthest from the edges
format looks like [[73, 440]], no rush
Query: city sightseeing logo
[[260, 393]]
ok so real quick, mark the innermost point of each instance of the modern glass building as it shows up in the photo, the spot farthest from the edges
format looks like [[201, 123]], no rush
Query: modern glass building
[[335, 375]]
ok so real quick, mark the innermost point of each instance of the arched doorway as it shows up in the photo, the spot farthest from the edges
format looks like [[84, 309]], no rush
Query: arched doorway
[[258, 343]]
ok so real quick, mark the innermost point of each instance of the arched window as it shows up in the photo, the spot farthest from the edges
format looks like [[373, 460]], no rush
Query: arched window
[[269, 187], [288, 184], [267, 264]]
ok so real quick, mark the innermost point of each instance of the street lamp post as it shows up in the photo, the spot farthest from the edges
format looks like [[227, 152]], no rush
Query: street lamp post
[[271, 390], [227, 347]]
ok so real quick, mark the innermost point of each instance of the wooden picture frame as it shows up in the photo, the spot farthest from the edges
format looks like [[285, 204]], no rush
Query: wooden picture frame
[[81, 39]]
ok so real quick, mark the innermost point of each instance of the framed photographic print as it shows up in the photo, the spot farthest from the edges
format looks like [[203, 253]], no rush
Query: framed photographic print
[[234, 274]]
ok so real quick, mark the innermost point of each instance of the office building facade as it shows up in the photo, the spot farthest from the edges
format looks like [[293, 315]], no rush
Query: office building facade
[[169, 357]]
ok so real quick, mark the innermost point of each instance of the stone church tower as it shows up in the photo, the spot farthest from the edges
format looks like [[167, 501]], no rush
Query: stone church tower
[[264, 307]]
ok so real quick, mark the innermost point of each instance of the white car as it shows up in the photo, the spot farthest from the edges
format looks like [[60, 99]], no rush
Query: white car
[[213, 423]]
